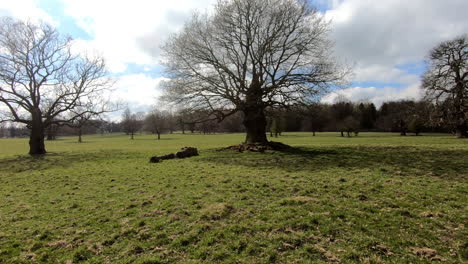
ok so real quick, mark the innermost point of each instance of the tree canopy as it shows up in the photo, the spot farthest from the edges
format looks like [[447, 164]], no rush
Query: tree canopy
[[446, 82], [249, 55]]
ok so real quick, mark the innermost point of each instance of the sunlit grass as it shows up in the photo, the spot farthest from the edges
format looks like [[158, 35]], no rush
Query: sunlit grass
[[376, 198]]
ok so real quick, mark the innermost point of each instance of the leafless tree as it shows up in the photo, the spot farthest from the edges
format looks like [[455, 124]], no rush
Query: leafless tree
[[250, 55], [42, 82], [92, 113], [446, 82], [131, 122], [156, 122]]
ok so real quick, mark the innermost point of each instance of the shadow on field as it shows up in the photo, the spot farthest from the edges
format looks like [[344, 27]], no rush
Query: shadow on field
[[51, 160], [401, 160]]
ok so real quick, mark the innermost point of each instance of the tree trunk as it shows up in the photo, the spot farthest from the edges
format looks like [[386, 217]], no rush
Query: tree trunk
[[461, 131], [402, 128], [255, 124], [342, 134], [51, 132], [36, 139], [131, 135], [313, 133], [159, 135], [79, 135]]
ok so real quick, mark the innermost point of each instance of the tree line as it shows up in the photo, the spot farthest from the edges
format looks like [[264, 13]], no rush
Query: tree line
[[345, 117]]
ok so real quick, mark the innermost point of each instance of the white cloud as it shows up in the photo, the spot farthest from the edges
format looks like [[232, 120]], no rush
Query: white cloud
[[376, 95], [125, 30], [25, 10], [391, 32], [381, 36], [385, 74], [138, 90]]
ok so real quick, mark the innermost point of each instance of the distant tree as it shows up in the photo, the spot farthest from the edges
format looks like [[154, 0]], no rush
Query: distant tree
[[367, 115], [276, 121], [446, 82], [275, 127], [316, 117], [156, 122], [42, 80], [92, 114], [232, 123], [249, 55], [416, 126], [350, 124], [341, 110], [80, 122], [3, 130], [171, 122], [13, 131], [52, 132], [209, 127], [131, 122], [395, 116]]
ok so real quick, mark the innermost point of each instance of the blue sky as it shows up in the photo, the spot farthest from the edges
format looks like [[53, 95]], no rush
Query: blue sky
[[385, 40]]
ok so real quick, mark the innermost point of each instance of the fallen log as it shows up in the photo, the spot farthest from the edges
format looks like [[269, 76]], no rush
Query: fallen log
[[185, 152]]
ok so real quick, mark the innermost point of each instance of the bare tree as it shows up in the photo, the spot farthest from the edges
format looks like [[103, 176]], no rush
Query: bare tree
[[317, 117], [42, 81], [3, 130], [446, 82], [250, 55], [91, 114], [156, 122], [131, 122]]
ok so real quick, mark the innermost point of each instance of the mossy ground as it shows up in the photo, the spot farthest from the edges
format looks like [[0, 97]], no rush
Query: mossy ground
[[376, 198]]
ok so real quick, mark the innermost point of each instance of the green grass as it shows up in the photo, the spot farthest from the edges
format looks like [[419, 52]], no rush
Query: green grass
[[376, 198]]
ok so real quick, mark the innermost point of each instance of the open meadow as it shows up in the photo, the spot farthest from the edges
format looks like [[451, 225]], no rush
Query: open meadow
[[375, 198]]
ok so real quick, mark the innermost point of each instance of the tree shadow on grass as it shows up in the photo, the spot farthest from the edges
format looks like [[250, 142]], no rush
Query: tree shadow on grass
[[23, 163], [400, 160]]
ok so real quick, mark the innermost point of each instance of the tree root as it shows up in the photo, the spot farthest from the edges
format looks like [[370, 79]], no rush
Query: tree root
[[258, 147]]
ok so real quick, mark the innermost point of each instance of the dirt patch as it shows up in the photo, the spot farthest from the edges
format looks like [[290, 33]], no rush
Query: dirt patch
[[216, 211], [297, 200], [430, 214], [427, 253], [60, 244], [381, 249]]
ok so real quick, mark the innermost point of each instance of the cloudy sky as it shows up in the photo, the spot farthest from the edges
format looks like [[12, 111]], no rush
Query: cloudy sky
[[385, 40]]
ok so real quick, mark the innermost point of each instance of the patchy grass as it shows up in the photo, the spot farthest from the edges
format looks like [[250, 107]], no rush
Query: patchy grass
[[376, 198]]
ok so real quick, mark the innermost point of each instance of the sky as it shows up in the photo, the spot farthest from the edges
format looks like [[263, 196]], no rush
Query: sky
[[386, 41]]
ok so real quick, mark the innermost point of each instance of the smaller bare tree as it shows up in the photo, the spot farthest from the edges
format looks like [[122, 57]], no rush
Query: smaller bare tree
[[156, 122], [131, 122]]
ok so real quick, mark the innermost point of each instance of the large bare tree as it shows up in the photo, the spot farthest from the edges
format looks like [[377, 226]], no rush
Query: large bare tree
[[446, 82], [42, 82], [249, 55]]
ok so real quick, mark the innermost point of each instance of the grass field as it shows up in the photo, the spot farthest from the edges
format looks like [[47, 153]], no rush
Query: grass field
[[376, 198]]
